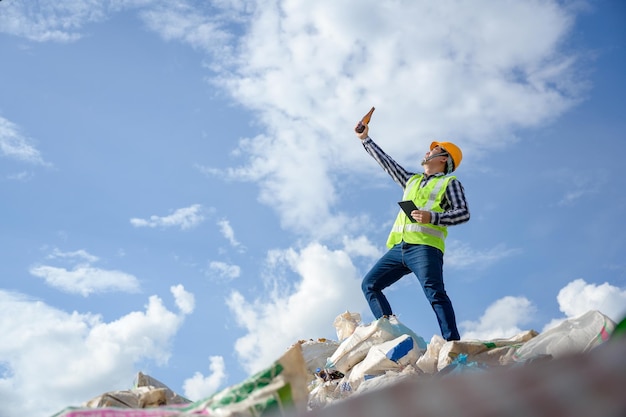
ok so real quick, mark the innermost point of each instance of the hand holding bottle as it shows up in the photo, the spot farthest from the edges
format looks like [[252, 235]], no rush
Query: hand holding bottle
[[361, 127], [364, 131], [364, 121]]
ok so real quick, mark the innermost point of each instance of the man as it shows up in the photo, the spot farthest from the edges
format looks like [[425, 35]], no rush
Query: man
[[417, 246]]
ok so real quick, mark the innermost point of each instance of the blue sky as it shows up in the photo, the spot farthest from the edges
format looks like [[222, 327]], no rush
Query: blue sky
[[183, 193]]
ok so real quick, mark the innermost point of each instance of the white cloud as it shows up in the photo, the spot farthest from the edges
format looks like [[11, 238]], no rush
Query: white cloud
[[463, 255], [472, 72], [361, 246], [13, 144], [579, 297], [75, 355], [80, 254], [194, 24], [228, 232], [50, 20], [225, 270], [280, 316], [62, 21], [184, 300], [502, 319], [199, 386], [185, 218], [85, 279]]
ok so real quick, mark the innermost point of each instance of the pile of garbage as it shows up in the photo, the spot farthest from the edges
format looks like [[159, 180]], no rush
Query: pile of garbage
[[372, 364]]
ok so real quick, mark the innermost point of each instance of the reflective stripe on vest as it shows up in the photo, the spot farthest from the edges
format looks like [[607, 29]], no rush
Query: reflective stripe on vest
[[412, 227]]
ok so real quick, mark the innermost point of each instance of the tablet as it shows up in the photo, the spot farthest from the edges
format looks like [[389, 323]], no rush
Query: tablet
[[408, 206]]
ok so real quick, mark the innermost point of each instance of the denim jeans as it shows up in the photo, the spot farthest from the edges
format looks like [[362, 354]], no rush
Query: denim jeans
[[426, 262]]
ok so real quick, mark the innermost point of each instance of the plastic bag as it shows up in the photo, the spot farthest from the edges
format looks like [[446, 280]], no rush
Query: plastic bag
[[346, 323], [578, 334], [355, 348], [428, 361], [393, 355], [316, 352]]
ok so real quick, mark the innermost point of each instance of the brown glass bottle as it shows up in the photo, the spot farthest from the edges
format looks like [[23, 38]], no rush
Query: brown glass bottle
[[365, 120]]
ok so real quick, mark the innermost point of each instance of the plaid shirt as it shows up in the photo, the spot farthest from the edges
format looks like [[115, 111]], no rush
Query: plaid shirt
[[454, 203]]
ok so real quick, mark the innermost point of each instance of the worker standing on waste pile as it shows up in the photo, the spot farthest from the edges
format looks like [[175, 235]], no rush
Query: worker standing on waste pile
[[417, 239]]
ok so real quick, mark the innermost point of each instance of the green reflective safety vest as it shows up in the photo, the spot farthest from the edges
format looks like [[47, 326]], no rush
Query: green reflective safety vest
[[426, 198]]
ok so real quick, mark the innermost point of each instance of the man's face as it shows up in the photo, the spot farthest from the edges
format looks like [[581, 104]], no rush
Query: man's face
[[435, 151], [432, 162]]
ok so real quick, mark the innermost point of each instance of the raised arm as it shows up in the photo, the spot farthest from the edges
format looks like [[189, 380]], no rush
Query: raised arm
[[391, 167]]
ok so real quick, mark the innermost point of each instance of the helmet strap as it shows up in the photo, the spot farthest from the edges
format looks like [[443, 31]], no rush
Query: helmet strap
[[449, 165], [435, 156]]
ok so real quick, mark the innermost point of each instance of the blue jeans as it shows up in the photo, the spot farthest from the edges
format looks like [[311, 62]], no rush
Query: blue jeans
[[426, 262]]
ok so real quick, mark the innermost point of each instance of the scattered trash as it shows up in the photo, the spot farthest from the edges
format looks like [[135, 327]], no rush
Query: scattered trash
[[461, 365], [580, 384], [147, 392], [279, 390], [328, 374], [314, 375], [355, 348]]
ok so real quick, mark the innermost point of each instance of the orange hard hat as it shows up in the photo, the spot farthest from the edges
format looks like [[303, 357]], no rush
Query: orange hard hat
[[454, 152]]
